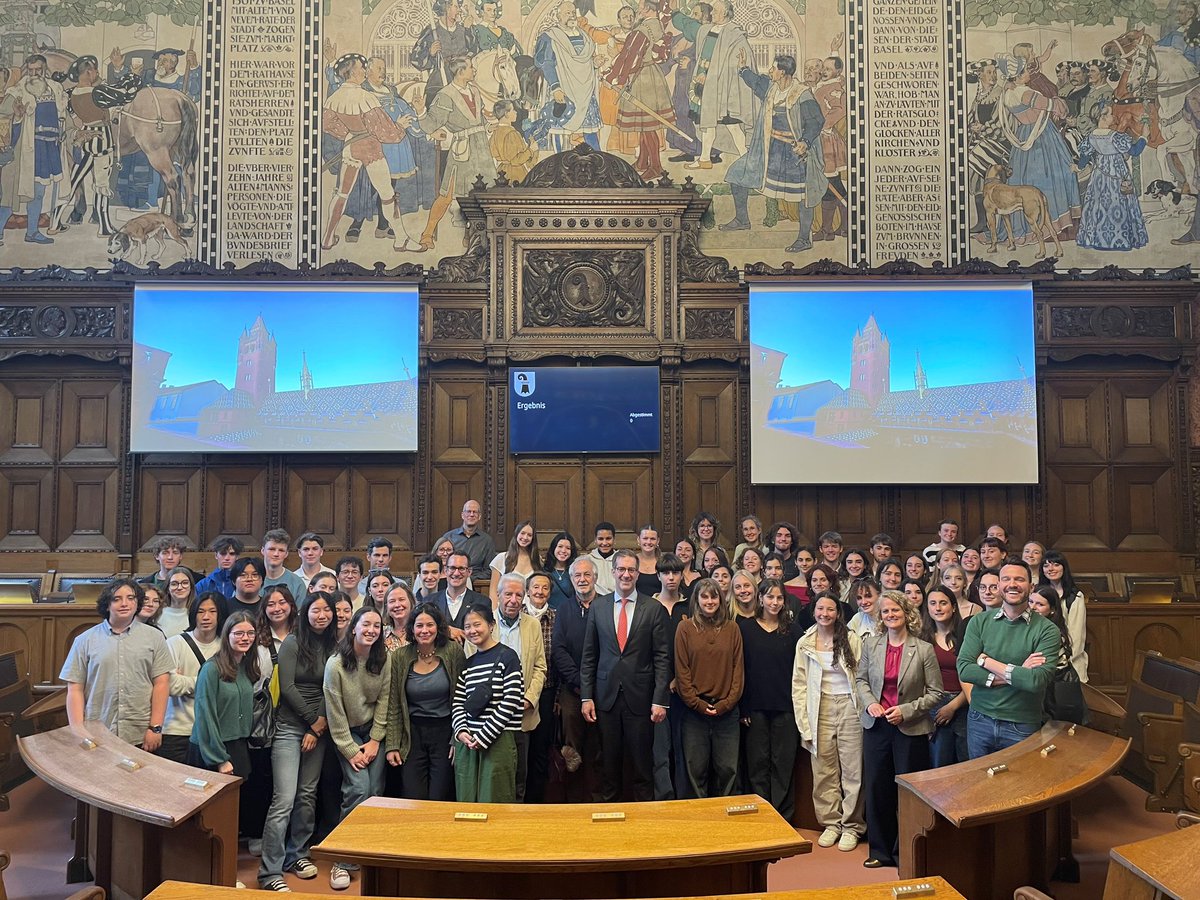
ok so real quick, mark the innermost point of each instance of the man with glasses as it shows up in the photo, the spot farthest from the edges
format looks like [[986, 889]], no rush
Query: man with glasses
[[473, 541], [625, 674], [247, 574], [457, 598]]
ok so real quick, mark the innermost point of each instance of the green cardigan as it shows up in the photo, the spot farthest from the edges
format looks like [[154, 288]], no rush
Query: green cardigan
[[224, 712], [399, 730]]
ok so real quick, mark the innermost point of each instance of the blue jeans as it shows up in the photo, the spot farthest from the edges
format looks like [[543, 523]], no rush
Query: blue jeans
[[948, 744], [987, 735], [293, 803]]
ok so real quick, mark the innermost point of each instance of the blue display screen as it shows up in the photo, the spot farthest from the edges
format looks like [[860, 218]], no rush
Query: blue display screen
[[609, 409]]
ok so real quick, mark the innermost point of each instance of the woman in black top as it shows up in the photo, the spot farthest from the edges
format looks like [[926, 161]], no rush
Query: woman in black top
[[769, 648], [648, 554]]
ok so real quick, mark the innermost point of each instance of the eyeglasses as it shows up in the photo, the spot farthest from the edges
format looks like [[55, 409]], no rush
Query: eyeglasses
[[242, 635], [456, 568], [624, 569], [180, 584], [253, 575]]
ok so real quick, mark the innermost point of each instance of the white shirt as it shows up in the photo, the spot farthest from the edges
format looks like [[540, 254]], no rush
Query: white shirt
[[629, 607]]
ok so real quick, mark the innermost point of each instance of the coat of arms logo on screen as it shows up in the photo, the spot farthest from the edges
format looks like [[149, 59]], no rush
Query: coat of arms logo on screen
[[524, 383]]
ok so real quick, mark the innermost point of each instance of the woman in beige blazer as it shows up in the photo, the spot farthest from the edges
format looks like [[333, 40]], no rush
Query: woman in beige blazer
[[898, 681]]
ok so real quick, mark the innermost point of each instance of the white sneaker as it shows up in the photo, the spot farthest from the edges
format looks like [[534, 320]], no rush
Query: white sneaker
[[828, 837], [339, 878], [303, 868], [848, 841]]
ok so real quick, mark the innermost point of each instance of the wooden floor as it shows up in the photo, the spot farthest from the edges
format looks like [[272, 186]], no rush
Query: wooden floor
[[36, 831]]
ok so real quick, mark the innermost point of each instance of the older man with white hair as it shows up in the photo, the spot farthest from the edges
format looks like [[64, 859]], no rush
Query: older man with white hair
[[521, 632]]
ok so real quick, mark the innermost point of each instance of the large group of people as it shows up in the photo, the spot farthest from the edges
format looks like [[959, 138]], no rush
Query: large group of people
[[618, 673]]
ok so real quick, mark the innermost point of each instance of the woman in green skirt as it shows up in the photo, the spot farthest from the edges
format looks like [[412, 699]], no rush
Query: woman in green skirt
[[486, 714]]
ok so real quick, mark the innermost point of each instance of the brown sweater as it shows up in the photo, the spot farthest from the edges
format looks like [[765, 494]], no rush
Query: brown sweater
[[708, 661]]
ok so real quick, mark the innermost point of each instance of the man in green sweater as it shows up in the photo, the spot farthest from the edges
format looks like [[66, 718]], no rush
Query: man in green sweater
[[1009, 656]]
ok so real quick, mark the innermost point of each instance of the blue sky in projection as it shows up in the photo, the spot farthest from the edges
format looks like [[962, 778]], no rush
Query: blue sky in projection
[[965, 334], [350, 335]]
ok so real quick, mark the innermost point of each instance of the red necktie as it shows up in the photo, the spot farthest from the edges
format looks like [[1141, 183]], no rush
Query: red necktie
[[623, 624]]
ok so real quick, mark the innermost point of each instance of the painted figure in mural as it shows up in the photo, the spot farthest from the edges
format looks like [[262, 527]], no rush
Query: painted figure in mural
[[355, 117], [644, 107], [457, 121], [565, 52], [1033, 66], [684, 65], [830, 95], [1169, 77], [117, 68], [514, 154], [1039, 156], [490, 34], [92, 170], [784, 159], [609, 43], [12, 110], [1112, 217], [988, 145], [166, 73], [37, 166], [444, 39], [721, 103], [1185, 37], [1072, 85]]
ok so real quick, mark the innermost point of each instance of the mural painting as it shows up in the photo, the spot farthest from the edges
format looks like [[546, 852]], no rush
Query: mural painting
[[99, 131]]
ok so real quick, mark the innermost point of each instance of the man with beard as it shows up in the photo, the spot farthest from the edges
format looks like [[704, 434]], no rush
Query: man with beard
[[447, 38], [564, 52], [721, 103], [645, 103], [94, 142], [37, 147], [355, 117], [166, 73]]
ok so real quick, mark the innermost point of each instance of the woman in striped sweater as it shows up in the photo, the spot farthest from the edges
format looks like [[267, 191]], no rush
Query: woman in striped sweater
[[486, 714]]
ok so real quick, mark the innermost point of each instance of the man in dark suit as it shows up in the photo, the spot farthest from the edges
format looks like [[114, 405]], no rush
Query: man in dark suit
[[625, 678], [457, 598]]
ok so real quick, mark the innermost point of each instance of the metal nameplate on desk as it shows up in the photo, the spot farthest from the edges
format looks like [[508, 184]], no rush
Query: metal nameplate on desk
[[608, 817], [195, 784], [88, 744], [996, 770], [1048, 749], [129, 765], [742, 809], [470, 817], [924, 889]]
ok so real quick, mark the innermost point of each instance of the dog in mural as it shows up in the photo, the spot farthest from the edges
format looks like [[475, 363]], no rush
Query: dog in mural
[[1173, 202], [1001, 200], [136, 235]]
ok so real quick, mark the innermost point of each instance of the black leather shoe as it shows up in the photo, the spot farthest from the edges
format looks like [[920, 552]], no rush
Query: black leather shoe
[[873, 863]]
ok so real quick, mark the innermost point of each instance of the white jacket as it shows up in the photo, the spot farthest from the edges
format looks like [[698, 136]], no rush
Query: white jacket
[[806, 685]]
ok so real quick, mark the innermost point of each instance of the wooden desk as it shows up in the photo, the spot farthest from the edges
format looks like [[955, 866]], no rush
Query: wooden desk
[[139, 828], [990, 835], [669, 849], [174, 890], [1167, 863]]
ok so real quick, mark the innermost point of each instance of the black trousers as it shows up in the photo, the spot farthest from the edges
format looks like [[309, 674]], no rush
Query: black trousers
[[771, 741], [427, 774], [888, 752], [541, 740], [625, 736]]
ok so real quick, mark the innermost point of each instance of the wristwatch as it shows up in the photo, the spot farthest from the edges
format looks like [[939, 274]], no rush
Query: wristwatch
[[157, 729], [1008, 670], [979, 661]]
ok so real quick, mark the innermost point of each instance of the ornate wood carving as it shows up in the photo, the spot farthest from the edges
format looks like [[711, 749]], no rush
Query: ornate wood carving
[[709, 324], [1112, 321], [451, 324], [695, 265], [582, 167], [583, 288], [473, 265]]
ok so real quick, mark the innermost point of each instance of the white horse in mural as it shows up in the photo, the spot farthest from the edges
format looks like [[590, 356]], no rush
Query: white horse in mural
[[1173, 82], [496, 77]]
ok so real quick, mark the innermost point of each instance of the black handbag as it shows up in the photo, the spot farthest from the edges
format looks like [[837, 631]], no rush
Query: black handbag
[[262, 722], [1064, 697]]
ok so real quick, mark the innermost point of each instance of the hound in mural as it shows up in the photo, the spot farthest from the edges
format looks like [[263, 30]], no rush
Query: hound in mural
[[1001, 201]]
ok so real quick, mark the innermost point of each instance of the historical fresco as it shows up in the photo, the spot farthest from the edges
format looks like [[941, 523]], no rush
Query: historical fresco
[[99, 130], [307, 131]]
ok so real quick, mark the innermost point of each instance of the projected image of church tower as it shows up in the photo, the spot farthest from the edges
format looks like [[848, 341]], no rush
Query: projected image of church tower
[[868, 413]]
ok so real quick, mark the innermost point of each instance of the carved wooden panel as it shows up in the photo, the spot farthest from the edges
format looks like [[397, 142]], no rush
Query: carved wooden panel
[[1118, 630], [1141, 421], [45, 633], [28, 421], [1079, 507], [712, 489], [622, 492], [26, 509], [920, 510], [1146, 508], [235, 503], [170, 501], [583, 288], [318, 499], [709, 422], [449, 488], [380, 505], [1009, 506], [457, 420], [551, 493], [774, 504], [87, 509], [856, 513], [1074, 428], [92, 425]]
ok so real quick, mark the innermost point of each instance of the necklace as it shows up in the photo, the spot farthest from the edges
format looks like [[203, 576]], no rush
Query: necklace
[[425, 657]]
